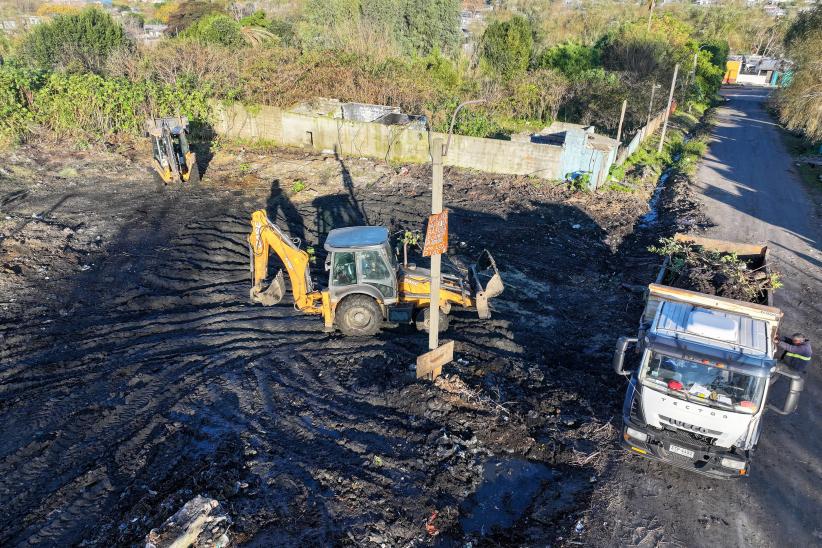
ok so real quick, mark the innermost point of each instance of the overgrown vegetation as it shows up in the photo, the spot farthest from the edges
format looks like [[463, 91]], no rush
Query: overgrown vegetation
[[714, 273], [800, 103], [75, 42], [407, 53]]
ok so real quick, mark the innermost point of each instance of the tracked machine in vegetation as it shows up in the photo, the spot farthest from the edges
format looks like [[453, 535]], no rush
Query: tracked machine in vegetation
[[367, 288], [172, 159]]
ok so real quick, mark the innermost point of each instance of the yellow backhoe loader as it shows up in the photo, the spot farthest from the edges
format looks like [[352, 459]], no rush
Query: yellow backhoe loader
[[366, 286], [172, 159]]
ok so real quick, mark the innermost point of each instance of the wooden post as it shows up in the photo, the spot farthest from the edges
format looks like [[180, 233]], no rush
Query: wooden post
[[436, 264], [651, 14], [621, 119], [651, 104], [668, 109]]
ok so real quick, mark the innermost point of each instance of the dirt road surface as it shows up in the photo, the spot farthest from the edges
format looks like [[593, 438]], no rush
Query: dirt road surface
[[748, 188], [135, 374]]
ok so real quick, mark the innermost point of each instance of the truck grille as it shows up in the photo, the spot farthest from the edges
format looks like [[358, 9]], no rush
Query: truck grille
[[680, 425], [688, 438]]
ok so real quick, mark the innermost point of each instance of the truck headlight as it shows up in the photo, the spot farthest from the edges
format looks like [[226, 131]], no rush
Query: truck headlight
[[636, 434], [732, 463]]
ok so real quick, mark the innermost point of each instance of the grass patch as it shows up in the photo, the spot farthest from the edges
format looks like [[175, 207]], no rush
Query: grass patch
[[798, 145]]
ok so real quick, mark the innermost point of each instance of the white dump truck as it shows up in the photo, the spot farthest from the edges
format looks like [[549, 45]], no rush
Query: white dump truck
[[698, 394]]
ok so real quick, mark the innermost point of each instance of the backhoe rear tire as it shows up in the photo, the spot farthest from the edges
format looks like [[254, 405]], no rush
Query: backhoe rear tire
[[359, 316], [423, 320]]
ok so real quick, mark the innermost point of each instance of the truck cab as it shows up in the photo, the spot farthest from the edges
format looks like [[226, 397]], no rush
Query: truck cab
[[698, 394]]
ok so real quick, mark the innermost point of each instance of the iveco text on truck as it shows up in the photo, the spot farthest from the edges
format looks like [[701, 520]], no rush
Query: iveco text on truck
[[697, 398]]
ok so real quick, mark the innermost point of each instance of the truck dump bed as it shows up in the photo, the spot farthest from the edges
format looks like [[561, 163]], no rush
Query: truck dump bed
[[755, 256]]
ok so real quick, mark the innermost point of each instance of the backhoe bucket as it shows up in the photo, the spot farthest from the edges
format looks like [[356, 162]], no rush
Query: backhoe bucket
[[273, 295], [487, 283]]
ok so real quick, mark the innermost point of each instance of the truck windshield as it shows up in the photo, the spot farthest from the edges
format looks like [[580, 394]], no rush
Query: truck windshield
[[703, 383]]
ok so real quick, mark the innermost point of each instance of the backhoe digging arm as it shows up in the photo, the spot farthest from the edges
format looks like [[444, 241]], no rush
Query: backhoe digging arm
[[266, 237]]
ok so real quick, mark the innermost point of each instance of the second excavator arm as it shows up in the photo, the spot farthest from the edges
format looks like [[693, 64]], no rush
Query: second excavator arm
[[266, 237]]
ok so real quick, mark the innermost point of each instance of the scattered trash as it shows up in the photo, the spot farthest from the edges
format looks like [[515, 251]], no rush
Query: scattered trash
[[200, 523], [377, 460], [579, 527], [430, 528], [576, 227]]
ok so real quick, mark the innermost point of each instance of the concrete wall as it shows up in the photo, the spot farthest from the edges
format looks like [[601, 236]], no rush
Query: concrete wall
[[407, 145], [755, 79], [239, 122]]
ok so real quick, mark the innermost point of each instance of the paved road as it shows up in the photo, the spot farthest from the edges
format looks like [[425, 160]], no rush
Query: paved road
[[752, 193]]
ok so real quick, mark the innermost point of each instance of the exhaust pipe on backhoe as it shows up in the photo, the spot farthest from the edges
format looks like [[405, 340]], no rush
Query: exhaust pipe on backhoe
[[487, 283]]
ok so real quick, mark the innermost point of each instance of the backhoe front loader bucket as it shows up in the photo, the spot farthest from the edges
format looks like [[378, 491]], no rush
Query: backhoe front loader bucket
[[487, 283], [273, 295]]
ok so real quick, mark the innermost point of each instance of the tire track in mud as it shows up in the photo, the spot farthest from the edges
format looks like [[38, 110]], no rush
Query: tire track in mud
[[164, 381], [144, 366]]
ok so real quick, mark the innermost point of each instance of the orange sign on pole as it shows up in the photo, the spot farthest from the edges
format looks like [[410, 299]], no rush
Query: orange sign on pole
[[436, 236]]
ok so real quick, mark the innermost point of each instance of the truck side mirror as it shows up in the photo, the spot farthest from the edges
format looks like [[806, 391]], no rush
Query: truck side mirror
[[797, 385], [328, 263], [619, 354]]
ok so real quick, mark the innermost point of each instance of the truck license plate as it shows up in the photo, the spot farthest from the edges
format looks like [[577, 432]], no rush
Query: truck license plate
[[681, 451]]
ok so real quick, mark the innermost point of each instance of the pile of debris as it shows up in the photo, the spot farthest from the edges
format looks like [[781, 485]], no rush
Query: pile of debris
[[201, 522], [693, 267]]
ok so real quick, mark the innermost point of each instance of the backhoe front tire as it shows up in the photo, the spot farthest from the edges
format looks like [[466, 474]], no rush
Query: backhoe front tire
[[359, 316], [423, 321]]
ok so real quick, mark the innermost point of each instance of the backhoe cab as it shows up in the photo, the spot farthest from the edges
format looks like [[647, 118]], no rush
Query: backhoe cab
[[173, 160], [366, 285]]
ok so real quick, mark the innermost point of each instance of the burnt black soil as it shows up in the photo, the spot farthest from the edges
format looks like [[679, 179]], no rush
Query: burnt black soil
[[136, 374]]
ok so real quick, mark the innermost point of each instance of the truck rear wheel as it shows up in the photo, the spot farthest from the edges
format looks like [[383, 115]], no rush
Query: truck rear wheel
[[359, 316], [423, 320]]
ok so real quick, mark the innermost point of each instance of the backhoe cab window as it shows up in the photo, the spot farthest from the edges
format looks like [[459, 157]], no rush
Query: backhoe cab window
[[343, 271], [374, 271]]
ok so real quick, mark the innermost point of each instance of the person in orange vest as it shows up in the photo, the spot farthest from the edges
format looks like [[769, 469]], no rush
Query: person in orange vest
[[797, 353]]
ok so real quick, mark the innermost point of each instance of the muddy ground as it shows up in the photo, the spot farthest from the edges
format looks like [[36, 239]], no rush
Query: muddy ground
[[136, 374]]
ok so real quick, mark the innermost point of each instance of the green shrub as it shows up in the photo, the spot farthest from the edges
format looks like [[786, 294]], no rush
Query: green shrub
[[570, 59], [506, 47], [216, 29], [256, 19], [17, 85], [79, 41], [418, 26], [93, 107]]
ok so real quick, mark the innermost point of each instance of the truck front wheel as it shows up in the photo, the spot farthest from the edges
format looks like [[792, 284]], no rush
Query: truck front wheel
[[359, 316]]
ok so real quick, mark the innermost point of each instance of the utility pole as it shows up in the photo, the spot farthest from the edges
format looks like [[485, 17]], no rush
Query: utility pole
[[622, 119], [436, 208], [436, 258], [429, 365], [651, 104], [668, 109]]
